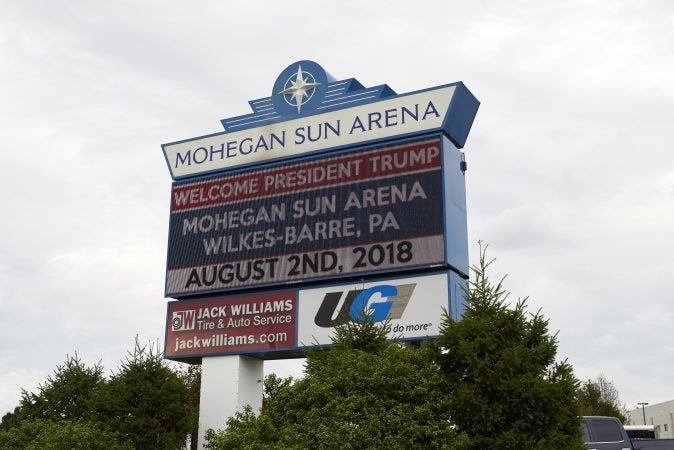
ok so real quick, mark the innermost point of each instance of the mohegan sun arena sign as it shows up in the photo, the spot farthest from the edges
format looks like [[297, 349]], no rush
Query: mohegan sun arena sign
[[309, 111], [329, 199]]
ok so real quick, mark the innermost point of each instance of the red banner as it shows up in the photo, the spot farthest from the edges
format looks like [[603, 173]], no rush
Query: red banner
[[315, 174], [232, 325]]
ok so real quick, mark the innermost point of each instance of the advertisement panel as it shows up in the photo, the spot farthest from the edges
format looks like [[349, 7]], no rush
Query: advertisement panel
[[360, 212], [413, 305], [243, 324], [287, 322]]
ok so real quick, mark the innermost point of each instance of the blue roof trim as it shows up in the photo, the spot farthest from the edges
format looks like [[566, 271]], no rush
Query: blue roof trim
[[338, 95], [335, 95], [461, 114], [349, 93]]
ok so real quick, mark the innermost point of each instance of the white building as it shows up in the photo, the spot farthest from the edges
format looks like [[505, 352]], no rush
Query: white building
[[660, 415]]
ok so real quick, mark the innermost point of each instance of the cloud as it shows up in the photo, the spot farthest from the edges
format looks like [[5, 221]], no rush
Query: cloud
[[569, 178]]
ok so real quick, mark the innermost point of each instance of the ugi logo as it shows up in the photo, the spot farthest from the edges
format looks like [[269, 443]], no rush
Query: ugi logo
[[359, 301], [183, 320]]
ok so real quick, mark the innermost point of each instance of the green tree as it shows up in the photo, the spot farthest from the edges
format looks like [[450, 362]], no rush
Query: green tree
[[362, 393], [191, 378], [66, 395], [41, 434], [11, 419], [505, 389], [146, 401], [600, 398]]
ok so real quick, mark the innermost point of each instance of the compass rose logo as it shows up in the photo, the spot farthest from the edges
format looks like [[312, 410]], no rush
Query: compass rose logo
[[299, 88]]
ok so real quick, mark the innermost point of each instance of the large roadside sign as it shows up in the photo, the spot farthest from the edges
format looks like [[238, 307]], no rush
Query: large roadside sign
[[377, 209], [329, 200], [326, 181]]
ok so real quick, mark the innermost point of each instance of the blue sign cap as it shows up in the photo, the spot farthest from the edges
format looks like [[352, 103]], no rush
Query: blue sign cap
[[304, 88]]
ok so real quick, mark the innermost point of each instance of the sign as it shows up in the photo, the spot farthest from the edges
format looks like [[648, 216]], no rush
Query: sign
[[379, 209], [413, 306], [286, 322], [309, 111], [254, 323], [325, 179]]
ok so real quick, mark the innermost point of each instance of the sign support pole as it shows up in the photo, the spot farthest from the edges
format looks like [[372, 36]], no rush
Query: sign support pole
[[228, 384]]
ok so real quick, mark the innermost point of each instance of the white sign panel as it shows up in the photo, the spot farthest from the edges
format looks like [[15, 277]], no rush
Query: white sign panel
[[401, 115], [414, 306]]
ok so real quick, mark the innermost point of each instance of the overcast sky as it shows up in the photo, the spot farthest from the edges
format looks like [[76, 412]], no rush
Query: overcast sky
[[570, 179]]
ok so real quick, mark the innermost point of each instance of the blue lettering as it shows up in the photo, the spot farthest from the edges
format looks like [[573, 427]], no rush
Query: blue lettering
[[414, 115], [249, 148], [380, 309], [357, 124], [187, 159], [200, 149], [281, 140], [221, 151], [333, 129], [315, 138], [231, 149], [298, 133], [390, 116], [430, 109], [261, 144], [373, 118]]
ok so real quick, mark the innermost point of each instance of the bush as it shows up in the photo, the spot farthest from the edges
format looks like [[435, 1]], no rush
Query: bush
[[63, 435]]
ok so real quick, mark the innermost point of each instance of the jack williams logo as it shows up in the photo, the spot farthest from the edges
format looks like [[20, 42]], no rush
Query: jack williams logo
[[183, 320], [359, 301]]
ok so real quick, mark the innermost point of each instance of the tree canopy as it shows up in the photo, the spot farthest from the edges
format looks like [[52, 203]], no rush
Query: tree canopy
[[66, 394], [600, 397], [40, 434], [146, 403], [505, 390], [489, 381], [362, 393]]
